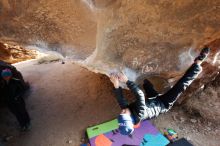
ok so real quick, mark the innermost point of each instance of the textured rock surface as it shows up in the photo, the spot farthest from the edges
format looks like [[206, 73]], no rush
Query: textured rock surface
[[141, 37], [207, 103], [67, 26], [145, 36], [154, 37], [14, 53]]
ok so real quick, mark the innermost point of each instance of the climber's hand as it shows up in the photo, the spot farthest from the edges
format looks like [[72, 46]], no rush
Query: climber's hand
[[122, 77], [114, 80]]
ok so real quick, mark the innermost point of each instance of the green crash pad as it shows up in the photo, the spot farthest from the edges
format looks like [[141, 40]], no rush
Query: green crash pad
[[102, 128]]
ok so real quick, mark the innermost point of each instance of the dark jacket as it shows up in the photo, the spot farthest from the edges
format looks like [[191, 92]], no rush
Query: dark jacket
[[140, 109], [12, 91]]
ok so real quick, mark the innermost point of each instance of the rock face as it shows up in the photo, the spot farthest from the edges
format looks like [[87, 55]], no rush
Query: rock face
[[67, 26], [154, 37], [14, 53], [143, 38], [147, 37], [207, 103]]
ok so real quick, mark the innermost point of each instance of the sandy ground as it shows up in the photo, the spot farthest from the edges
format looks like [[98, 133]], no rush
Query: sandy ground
[[65, 99]]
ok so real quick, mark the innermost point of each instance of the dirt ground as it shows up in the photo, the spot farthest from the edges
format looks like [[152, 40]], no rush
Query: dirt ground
[[65, 99]]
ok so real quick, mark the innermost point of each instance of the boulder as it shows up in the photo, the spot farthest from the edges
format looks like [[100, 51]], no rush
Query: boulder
[[145, 39], [15, 53]]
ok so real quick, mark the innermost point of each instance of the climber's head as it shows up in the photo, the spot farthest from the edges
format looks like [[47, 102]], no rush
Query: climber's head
[[6, 74], [126, 122]]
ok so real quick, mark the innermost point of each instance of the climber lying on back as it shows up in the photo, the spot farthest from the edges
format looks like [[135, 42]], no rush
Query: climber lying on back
[[132, 114]]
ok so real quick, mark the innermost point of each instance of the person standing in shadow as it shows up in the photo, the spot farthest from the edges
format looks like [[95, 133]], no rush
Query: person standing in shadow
[[12, 92]]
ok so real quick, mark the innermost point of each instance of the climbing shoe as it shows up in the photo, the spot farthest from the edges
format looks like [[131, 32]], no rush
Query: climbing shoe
[[203, 54]]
